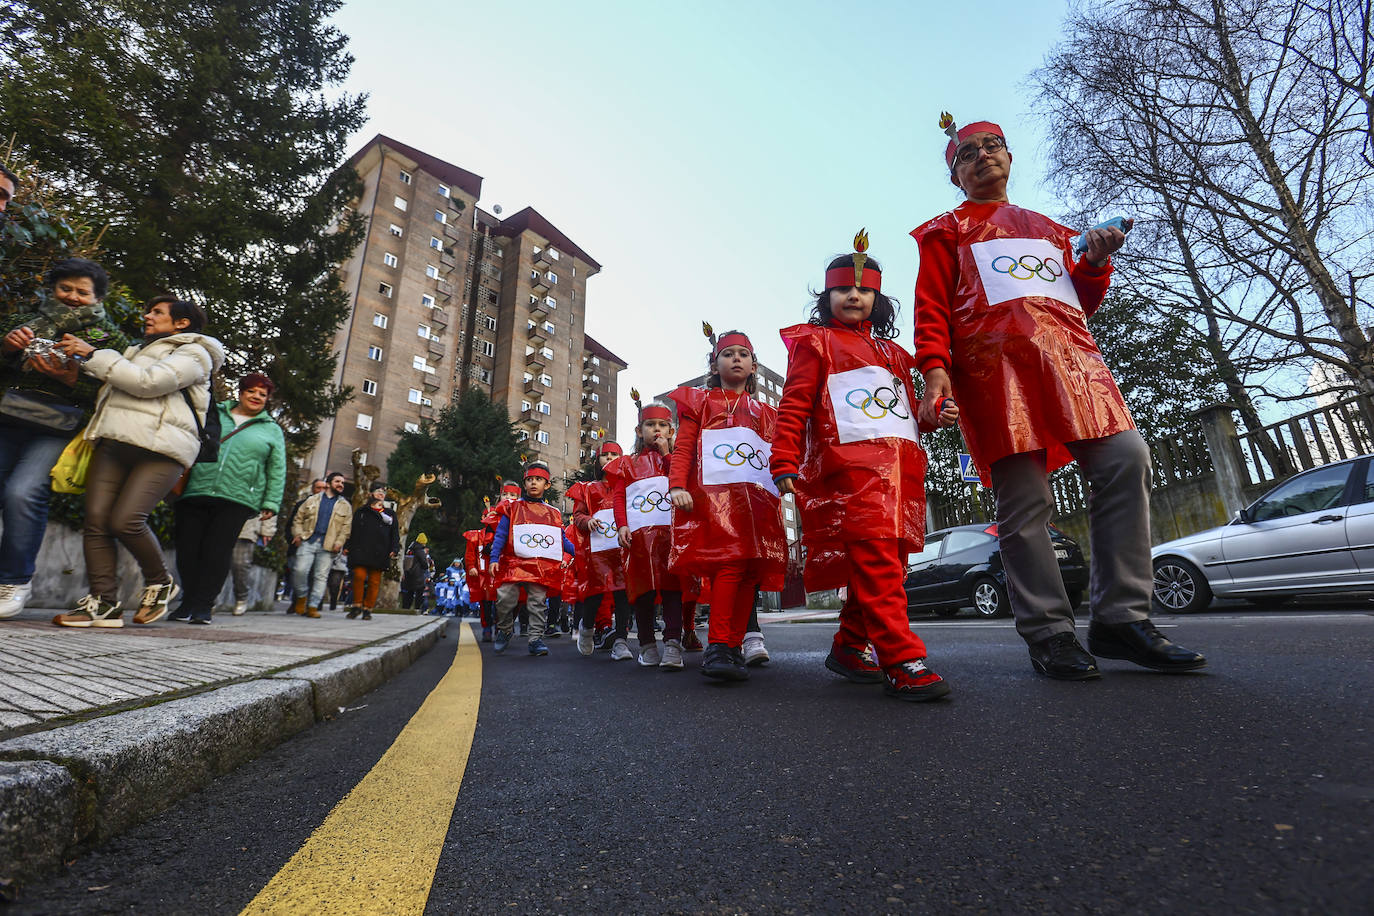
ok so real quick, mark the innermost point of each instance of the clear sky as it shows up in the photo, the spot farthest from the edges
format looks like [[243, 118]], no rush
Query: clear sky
[[711, 156]]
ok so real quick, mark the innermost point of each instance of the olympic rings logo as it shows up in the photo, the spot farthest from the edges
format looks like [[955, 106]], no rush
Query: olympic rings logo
[[537, 541], [1048, 266], [878, 398], [603, 528], [754, 458], [651, 501]]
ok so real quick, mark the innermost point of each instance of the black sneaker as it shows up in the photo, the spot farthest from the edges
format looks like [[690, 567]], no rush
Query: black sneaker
[[353, 612], [367, 615], [724, 663]]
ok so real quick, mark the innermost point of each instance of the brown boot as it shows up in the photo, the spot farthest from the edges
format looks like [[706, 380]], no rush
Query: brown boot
[[312, 612], [298, 606]]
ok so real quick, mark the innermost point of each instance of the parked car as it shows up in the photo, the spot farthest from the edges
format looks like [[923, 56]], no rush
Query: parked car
[[962, 567], [1312, 533]]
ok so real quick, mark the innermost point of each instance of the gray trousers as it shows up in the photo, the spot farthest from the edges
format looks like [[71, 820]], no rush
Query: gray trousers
[[508, 595], [241, 565], [1117, 469]]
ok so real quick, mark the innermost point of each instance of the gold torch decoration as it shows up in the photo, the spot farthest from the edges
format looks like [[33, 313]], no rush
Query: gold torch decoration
[[634, 396], [948, 126], [860, 258]]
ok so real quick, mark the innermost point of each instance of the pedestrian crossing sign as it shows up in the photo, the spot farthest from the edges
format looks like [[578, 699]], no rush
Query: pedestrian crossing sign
[[968, 472]]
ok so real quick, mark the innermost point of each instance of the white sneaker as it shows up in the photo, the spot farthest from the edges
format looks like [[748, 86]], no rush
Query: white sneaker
[[672, 655], [13, 598], [649, 656], [586, 645], [240, 608], [755, 652], [620, 651]]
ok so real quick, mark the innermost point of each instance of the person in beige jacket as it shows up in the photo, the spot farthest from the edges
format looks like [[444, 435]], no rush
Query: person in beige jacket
[[145, 438], [319, 531]]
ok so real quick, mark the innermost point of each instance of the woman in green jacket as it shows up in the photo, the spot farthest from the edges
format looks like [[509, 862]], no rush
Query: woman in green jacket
[[247, 480]]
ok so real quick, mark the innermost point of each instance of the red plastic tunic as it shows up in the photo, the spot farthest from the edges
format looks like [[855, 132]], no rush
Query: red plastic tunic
[[847, 427], [1002, 305], [575, 575], [594, 513], [639, 484], [534, 548], [721, 457], [474, 557]]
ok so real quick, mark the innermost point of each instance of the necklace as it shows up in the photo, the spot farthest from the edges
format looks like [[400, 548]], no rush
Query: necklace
[[881, 352], [731, 408]]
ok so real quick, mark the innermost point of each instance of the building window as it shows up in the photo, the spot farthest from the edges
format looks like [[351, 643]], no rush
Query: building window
[[411, 427], [384, 289], [427, 300], [390, 260], [424, 331], [379, 320], [548, 326], [491, 322], [596, 398], [547, 352], [484, 374], [522, 435], [552, 277], [533, 299], [405, 177], [364, 421], [543, 437], [487, 347], [369, 386], [524, 406], [400, 203], [789, 514], [553, 255], [546, 380], [440, 216], [397, 230], [435, 243], [413, 396], [431, 271], [596, 379], [419, 362], [374, 353], [596, 360], [551, 302], [545, 409], [595, 416], [443, 190]]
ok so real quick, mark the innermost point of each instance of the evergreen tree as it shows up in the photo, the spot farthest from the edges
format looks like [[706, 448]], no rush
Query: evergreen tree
[[202, 136]]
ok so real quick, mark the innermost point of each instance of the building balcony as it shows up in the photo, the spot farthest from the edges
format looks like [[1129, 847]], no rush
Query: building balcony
[[451, 232], [439, 318], [542, 259], [448, 261], [535, 361], [540, 286], [531, 417], [444, 288], [534, 386], [537, 336], [426, 411], [430, 381], [437, 349], [539, 309]]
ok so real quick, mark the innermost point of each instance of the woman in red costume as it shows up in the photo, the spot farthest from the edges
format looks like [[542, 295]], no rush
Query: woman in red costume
[[728, 522], [594, 518], [1001, 309], [643, 518], [478, 542], [846, 444]]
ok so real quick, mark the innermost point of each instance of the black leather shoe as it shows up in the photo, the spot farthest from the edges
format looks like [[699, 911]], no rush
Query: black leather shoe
[[723, 663], [1062, 658], [1138, 641]]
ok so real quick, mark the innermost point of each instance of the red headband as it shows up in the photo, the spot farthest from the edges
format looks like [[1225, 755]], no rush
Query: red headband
[[537, 472], [655, 412], [968, 130], [844, 277], [732, 340], [511, 488], [611, 448]]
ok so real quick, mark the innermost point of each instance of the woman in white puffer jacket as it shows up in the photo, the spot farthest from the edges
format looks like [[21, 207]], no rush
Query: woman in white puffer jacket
[[145, 438]]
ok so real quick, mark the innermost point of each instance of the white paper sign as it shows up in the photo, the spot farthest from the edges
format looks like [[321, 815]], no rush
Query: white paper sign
[[736, 455], [870, 403], [647, 503], [543, 542], [1014, 268], [603, 531]]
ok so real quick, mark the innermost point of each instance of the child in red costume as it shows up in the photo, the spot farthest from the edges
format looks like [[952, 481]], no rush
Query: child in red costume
[[1001, 325], [847, 445], [594, 517], [643, 518], [728, 522], [526, 552]]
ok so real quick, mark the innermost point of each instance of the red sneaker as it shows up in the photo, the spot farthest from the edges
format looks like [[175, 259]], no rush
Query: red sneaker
[[855, 664], [914, 681]]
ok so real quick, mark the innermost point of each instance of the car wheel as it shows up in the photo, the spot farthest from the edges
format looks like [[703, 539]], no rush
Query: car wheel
[[990, 598], [1179, 587]]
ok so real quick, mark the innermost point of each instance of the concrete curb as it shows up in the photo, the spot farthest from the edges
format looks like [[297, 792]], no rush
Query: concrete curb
[[65, 790]]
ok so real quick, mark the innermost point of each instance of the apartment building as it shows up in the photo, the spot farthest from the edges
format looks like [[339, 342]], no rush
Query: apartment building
[[448, 296], [600, 386]]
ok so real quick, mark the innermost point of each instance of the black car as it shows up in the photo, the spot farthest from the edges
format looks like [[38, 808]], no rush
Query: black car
[[962, 567]]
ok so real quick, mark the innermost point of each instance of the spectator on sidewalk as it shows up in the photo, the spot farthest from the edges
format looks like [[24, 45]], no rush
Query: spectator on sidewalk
[[316, 486], [372, 545], [44, 402], [319, 531], [417, 571], [145, 436], [222, 495], [256, 532], [335, 585]]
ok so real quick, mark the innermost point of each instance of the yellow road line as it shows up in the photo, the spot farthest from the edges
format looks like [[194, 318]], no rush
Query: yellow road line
[[379, 847]]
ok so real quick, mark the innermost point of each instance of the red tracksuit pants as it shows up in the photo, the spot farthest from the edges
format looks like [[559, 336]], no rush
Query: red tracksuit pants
[[875, 610], [732, 601]]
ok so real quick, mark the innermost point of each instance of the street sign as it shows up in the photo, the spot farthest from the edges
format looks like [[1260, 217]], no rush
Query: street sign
[[967, 471]]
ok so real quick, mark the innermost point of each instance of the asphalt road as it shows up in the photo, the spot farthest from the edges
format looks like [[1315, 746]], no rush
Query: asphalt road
[[595, 786]]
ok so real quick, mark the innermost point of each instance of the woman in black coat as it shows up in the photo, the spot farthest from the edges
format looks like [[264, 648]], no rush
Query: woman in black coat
[[372, 544]]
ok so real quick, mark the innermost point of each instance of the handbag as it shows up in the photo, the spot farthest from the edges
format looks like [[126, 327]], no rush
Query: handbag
[[69, 473], [39, 410]]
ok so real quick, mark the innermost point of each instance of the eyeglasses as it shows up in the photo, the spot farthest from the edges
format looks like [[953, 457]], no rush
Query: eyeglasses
[[990, 145]]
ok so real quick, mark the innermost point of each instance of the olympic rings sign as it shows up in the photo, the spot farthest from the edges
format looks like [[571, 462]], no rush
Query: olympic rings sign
[[651, 501], [602, 528], [878, 403], [539, 541], [739, 454], [1028, 266]]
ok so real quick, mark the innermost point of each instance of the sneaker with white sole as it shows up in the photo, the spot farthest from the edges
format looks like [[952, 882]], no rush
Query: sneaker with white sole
[[650, 656], [13, 598], [620, 651], [240, 608], [672, 655], [586, 645], [755, 652], [152, 603], [91, 611]]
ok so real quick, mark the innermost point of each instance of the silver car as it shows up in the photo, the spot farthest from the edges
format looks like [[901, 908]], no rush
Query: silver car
[[1312, 533]]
